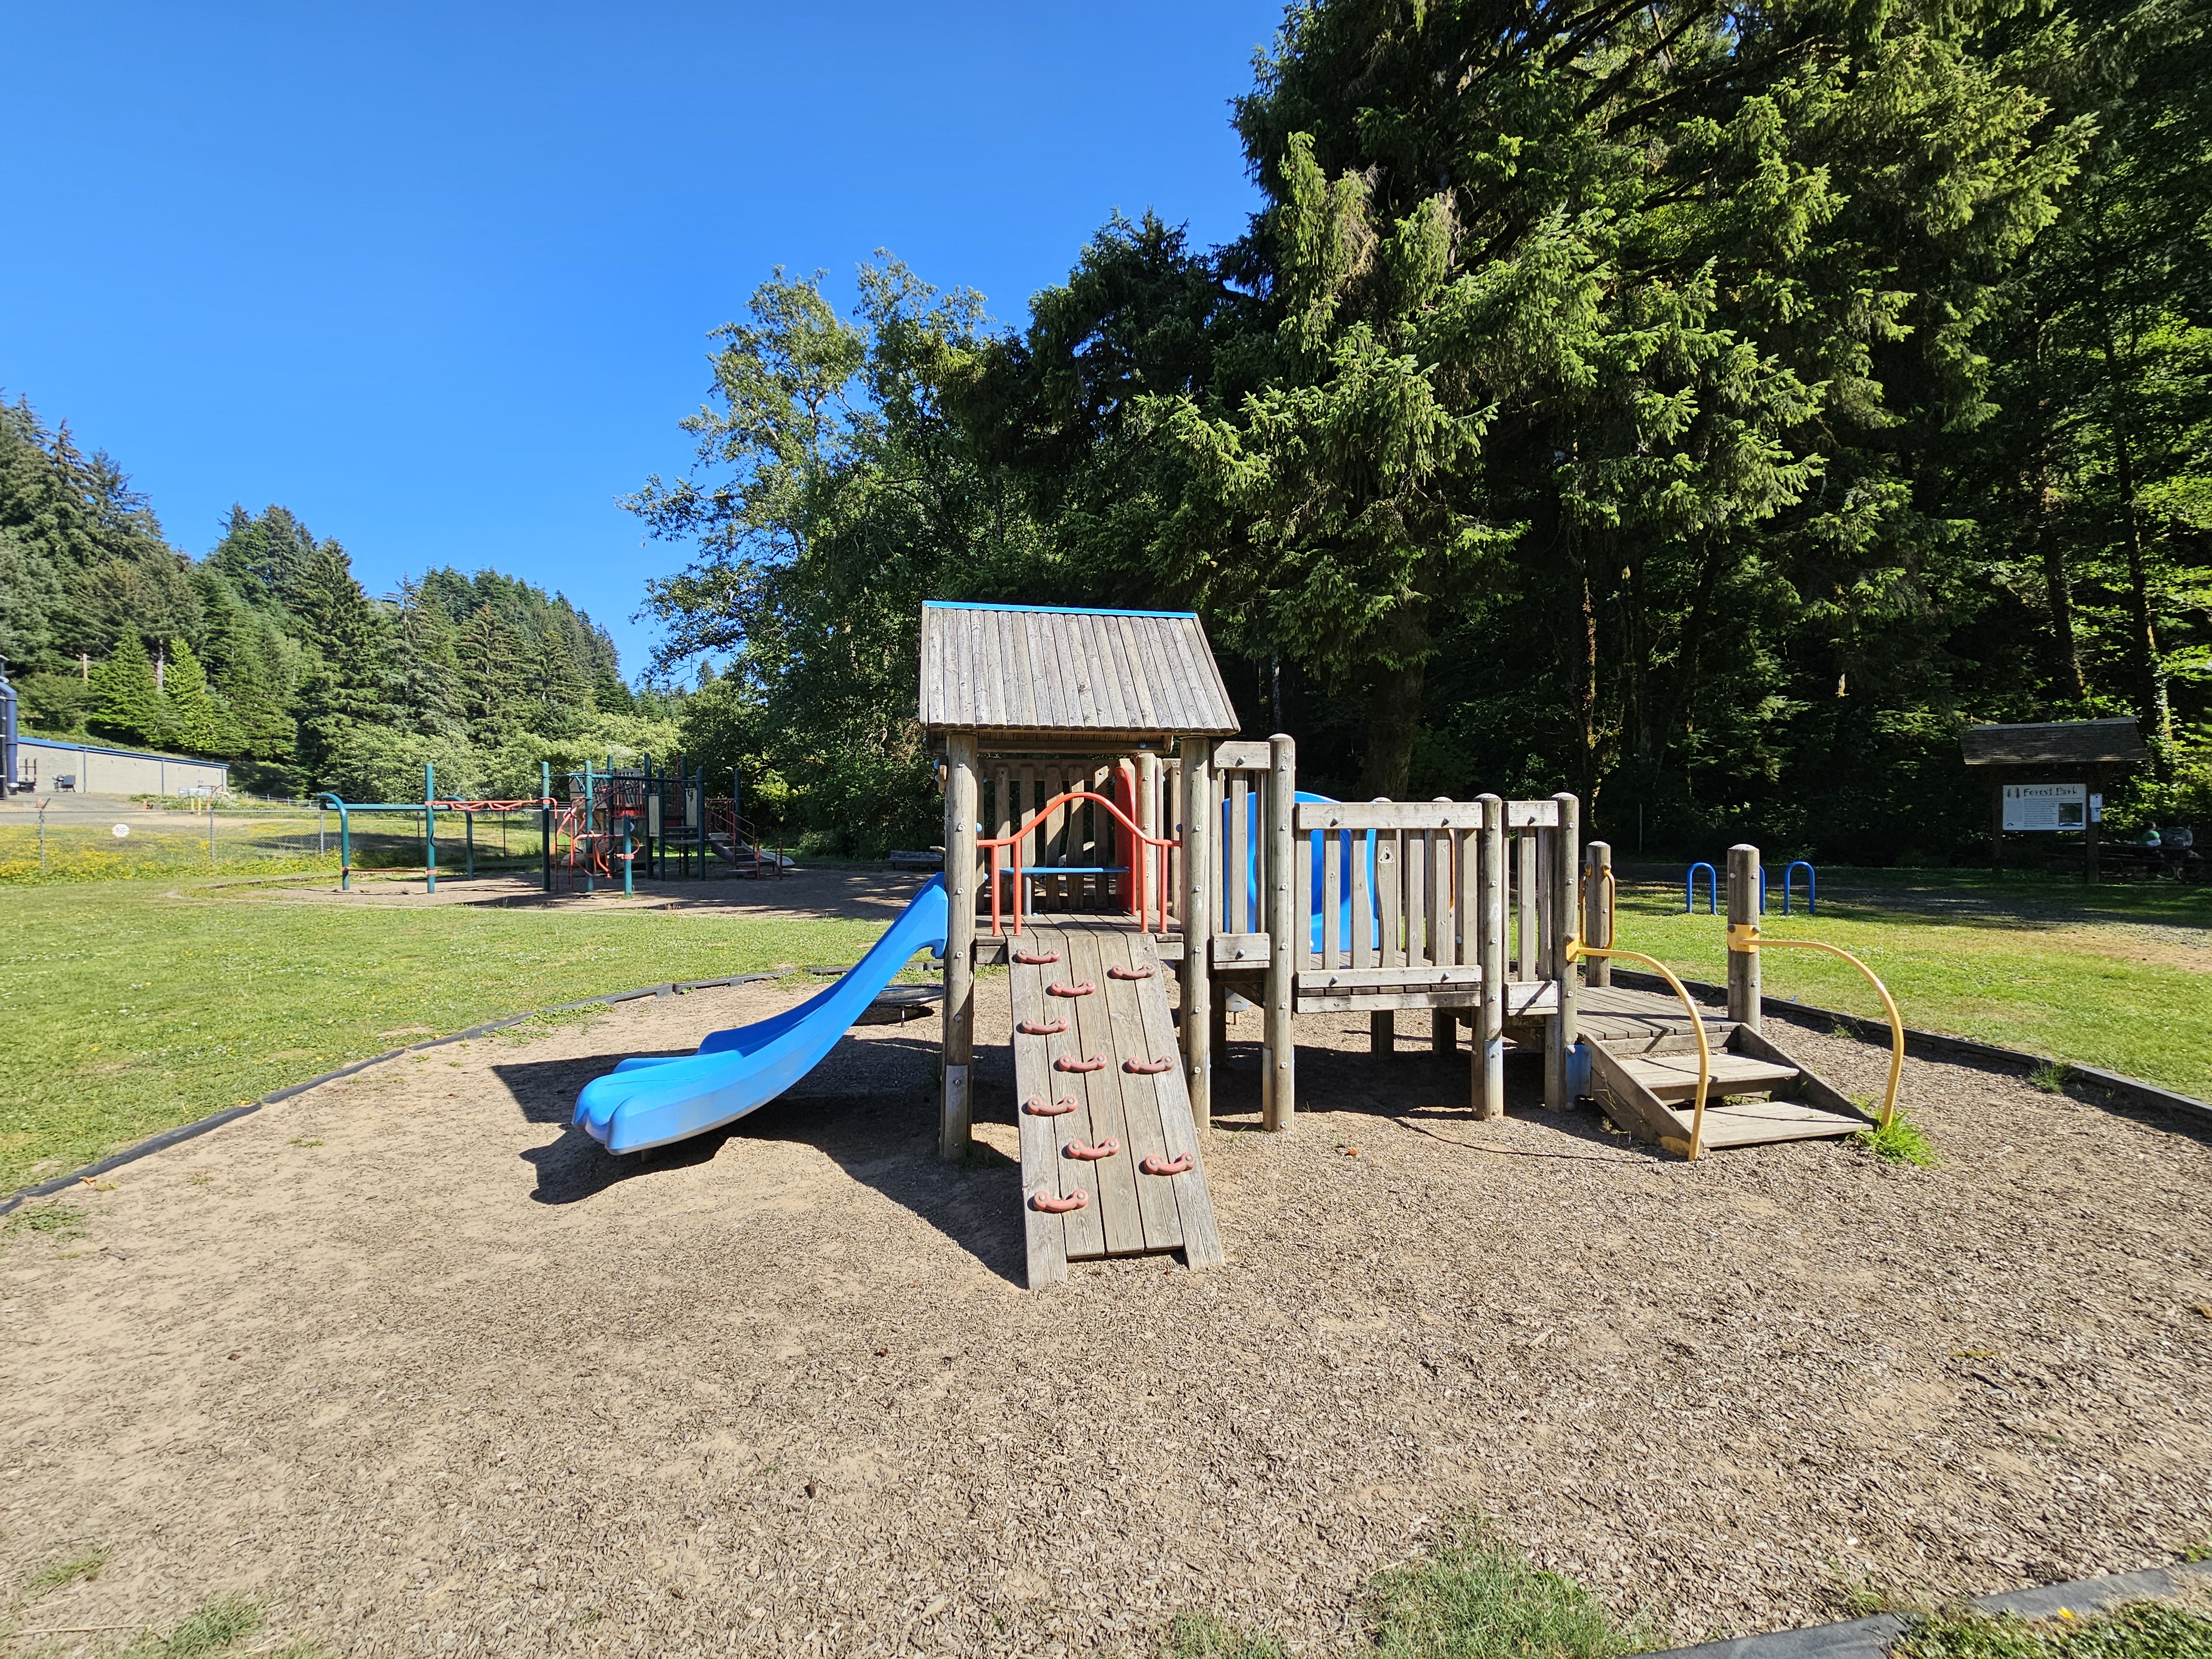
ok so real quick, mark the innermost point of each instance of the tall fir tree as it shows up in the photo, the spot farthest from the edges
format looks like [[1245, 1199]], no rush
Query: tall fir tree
[[130, 704]]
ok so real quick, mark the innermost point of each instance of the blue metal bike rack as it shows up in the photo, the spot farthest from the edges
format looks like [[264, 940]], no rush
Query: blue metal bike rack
[[1712, 891], [1812, 887]]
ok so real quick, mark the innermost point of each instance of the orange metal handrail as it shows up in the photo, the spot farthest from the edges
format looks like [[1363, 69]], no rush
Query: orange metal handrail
[[1140, 904]]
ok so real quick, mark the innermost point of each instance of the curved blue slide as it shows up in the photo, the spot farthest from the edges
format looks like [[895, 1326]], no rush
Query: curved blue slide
[[650, 1102]]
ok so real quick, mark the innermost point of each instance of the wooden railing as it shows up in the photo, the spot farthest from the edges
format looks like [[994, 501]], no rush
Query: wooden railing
[[1404, 896]]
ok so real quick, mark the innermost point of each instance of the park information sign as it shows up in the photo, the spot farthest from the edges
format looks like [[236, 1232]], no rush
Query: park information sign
[[2046, 806]]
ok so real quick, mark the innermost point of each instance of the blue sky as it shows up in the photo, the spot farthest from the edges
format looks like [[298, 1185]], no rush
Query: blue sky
[[439, 277]]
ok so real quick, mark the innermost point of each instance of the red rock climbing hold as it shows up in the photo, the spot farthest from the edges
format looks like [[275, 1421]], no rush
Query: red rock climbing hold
[[1149, 1068], [1030, 1027], [1038, 958], [1075, 1200], [1085, 989], [1069, 1063], [1106, 1148], [1117, 972], [1035, 1106], [1155, 1164]]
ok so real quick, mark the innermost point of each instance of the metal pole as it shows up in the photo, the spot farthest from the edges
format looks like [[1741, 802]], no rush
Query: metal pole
[[590, 886], [42, 838], [626, 854], [345, 840], [210, 830], [429, 828], [469, 823], [545, 820]]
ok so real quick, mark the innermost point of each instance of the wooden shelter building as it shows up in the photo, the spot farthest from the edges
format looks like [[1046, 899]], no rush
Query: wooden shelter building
[[2090, 753]]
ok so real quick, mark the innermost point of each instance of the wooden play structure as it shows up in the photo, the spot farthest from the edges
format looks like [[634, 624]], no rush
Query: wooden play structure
[[1103, 824]]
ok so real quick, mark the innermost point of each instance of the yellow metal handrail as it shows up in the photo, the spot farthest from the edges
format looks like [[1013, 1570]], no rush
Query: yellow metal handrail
[[1747, 939], [1576, 949]]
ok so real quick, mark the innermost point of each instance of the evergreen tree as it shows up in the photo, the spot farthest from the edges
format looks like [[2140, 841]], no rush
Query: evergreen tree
[[193, 716], [130, 704], [348, 675], [426, 686], [491, 677]]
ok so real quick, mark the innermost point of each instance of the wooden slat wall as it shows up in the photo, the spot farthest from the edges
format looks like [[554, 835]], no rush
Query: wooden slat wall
[[1416, 922]]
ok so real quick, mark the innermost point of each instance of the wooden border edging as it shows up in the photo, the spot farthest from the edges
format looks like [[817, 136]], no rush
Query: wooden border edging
[[1870, 1638], [1941, 1045], [184, 1132]]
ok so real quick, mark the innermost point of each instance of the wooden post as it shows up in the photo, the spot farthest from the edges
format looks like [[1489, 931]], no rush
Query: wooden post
[[1597, 918], [1198, 908], [1383, 1032], [953, 1122], [2089, 816], [1279, 1088], [1487, 1058], [1145, 810], [1559, 918], [1743, 913], [1996, 823]]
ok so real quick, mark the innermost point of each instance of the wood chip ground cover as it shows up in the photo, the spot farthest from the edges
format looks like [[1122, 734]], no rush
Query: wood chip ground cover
[[454, 1381]]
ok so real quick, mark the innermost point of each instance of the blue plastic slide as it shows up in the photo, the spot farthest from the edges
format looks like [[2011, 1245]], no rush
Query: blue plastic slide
[[651, 1102]]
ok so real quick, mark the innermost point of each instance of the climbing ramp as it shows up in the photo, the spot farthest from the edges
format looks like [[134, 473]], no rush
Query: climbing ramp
[[1110, 1164]]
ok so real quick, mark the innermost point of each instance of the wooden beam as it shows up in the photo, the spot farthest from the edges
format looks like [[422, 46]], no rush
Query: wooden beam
[[1389, 815], [955, 1107], [1196, 809], [1486, 1067], [1743, 975], [1279, 1095], [1559, 926]]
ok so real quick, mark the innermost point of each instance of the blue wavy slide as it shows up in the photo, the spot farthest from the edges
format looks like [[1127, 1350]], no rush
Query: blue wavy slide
[[649, 1102]]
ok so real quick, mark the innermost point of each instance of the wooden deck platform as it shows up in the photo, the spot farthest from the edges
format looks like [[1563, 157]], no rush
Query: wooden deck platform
[[1061, 1028]]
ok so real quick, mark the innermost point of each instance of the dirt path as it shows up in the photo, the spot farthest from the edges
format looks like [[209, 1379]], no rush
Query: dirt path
[[411, 1361]]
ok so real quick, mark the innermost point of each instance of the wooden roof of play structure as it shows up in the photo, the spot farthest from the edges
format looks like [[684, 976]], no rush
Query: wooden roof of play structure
[[1031, 670], [2056, 743]]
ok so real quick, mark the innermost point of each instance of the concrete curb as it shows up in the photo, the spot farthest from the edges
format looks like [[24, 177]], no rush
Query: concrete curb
[[1870, 1638], [1941, 1046], [183, 1131]]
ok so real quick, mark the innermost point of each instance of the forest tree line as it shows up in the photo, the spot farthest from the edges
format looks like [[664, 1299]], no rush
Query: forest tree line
[[1708, 409], [270, 654]]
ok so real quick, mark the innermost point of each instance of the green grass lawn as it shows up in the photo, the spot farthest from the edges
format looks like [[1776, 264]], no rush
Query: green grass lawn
[[2117, 977], [133, 1008]]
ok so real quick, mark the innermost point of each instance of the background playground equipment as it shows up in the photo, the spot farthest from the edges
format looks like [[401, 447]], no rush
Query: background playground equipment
[[596, 827], [1713, 891]]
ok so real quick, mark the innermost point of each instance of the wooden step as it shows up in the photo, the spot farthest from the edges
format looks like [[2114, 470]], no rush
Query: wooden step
[[1680, 1041], [1675, 1076]]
